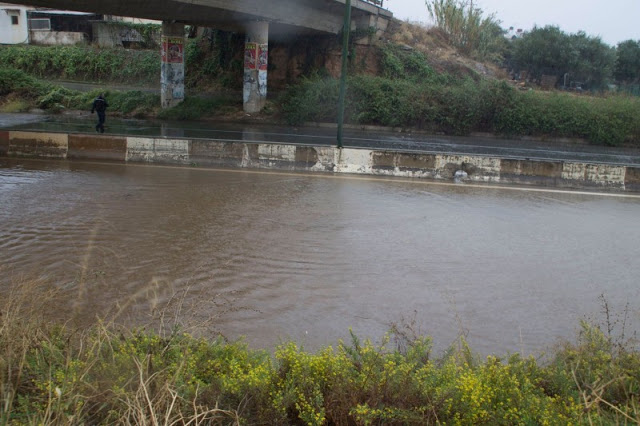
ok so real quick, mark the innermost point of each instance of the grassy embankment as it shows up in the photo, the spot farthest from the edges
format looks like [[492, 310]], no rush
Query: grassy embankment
[[409, 94], [25, 70], [52, 373]]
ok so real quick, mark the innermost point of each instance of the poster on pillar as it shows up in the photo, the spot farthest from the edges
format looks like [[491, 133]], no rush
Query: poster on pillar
[[262, 83], [250, 52], [172, 50], [263, 57]]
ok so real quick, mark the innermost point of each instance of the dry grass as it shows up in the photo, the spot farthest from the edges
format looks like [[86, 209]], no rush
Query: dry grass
[[14, 105], [440, 54], [62, 371], [425, 39]]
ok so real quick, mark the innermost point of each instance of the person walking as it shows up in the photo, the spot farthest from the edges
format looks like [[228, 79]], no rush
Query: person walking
[[100, 106]]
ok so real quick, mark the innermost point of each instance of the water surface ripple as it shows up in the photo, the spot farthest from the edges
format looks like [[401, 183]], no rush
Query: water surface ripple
[[275, 256]]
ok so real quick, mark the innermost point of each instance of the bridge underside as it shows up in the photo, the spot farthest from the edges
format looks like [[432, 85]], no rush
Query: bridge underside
[[285, 17], [259, 20]]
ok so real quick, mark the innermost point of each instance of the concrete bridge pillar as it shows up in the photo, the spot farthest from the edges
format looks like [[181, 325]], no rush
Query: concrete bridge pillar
[[172, 67], [256, 53]]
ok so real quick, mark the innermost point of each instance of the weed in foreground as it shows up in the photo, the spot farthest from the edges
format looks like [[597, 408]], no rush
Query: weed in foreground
[[106, 373]]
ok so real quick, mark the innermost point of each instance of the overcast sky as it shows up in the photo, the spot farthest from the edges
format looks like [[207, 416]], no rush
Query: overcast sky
[[613, 20]]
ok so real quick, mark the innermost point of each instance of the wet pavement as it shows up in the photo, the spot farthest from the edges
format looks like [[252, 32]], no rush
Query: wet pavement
[[317, 136]]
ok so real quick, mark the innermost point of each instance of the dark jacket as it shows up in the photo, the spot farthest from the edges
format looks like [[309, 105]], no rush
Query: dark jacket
[[99, 104]]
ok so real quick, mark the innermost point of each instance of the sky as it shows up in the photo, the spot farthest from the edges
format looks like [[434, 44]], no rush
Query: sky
[[612, 20]]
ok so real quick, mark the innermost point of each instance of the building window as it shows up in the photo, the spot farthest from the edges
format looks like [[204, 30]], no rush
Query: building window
[[14, 20], [40, 24]]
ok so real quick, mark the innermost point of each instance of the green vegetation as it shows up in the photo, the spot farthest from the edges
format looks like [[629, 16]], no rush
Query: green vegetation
[[550, 51], [210, 60], [424, 99], [84, 63], [627, 69], [15, 106], [194, 108], [105, 374], [28, 92], [628, 62]]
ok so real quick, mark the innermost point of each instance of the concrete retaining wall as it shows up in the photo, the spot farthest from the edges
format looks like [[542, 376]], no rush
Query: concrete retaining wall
[[211, 153]]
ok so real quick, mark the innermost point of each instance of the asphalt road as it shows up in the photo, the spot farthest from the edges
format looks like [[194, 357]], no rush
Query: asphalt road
[[378, 139]]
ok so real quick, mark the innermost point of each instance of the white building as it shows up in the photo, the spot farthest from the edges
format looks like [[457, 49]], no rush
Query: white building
[[28, 25], [14, 28]]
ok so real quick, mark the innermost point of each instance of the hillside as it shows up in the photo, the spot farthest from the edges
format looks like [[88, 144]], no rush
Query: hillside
[[438, 51]]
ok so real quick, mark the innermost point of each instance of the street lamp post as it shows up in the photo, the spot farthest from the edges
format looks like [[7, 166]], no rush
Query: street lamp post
[[343, 76]]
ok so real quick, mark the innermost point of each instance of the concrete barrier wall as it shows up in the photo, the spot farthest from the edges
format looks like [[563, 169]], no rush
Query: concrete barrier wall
[[4, 143], [211, 153], [632, 179], [34, 144]]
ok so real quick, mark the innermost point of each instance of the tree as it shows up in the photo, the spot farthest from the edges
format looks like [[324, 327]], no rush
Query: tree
[[596, 61], [550, 51], [544, 51], [627, 68]]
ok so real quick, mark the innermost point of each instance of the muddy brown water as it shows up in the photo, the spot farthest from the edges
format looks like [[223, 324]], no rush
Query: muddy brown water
[[279, 256]]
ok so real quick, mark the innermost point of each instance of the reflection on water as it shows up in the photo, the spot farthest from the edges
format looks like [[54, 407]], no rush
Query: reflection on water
[[275, 256]]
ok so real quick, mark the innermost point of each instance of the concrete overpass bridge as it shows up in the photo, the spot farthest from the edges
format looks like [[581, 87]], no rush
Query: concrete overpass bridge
[[258, 20]]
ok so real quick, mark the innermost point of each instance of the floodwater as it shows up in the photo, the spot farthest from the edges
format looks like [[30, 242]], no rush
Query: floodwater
[[279, 256]]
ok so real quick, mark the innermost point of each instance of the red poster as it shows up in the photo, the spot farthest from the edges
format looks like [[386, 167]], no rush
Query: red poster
[[263, 56], [250, 52], [172, 49]]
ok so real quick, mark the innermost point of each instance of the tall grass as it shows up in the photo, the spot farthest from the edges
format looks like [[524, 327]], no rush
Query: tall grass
[[54, 373], [467, 27], [84, 63]]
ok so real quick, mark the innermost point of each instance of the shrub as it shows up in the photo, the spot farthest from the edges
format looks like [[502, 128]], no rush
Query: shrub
[[108, 374], [313, 99], [13, 80], [194, 108]]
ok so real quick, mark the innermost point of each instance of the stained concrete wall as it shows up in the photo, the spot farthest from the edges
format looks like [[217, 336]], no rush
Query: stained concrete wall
[[34, 144], [4, 143], [89, 147], [56, 38], [210, 153]]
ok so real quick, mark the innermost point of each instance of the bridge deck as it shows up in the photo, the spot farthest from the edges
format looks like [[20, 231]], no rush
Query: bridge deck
[[283, 15]]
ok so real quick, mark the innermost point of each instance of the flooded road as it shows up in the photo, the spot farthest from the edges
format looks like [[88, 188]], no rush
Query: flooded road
[[278, 256]]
